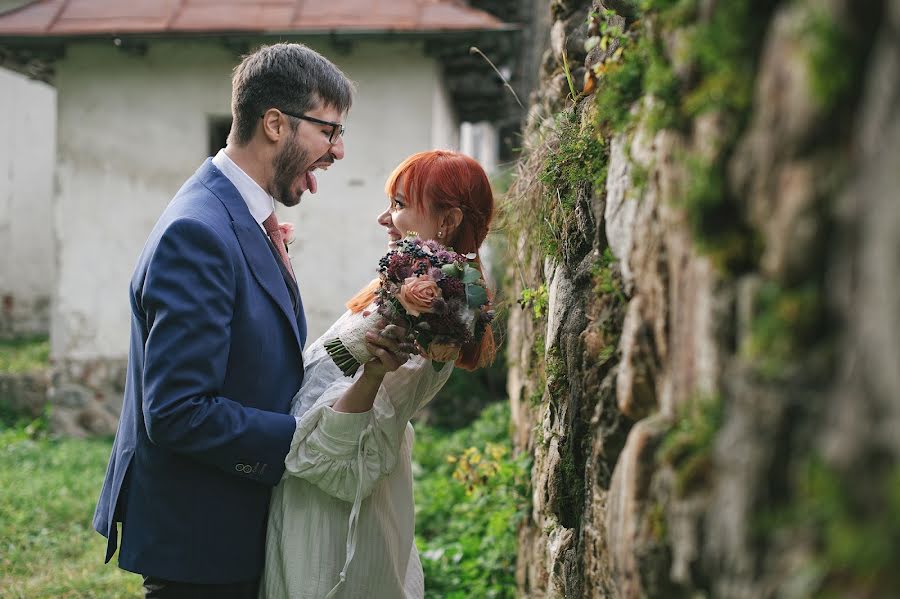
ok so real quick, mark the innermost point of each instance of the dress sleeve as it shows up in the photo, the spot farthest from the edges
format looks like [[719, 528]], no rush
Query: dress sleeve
[[346, 454]]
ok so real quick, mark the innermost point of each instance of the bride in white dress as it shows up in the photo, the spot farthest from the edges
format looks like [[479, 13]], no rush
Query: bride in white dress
[[342, 520]]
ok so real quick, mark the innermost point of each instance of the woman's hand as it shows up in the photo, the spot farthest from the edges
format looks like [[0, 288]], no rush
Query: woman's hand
[[391, 346]]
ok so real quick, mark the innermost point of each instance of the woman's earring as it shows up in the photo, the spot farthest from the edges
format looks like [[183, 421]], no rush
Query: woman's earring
[[440, 234]]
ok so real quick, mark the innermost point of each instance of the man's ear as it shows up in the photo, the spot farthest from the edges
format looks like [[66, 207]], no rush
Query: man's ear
[[272, 125]]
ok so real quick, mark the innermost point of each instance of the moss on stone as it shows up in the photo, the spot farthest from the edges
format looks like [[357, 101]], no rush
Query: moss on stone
[[571, 171], [556, 376], [672, 12], [856, 529], [785, 321], [688, 446], [621, 85], [717, 229], [725, 51], [834, 60], [604, 275], [571, 486], [656, 521]]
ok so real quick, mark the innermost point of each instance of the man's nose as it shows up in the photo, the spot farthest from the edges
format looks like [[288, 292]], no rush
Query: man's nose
[[337, 149]]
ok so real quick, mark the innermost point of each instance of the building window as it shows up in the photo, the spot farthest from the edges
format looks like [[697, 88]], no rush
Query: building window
[[218, 128]]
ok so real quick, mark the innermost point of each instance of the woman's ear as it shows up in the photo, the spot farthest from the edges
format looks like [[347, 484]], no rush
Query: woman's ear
[[450, 221]]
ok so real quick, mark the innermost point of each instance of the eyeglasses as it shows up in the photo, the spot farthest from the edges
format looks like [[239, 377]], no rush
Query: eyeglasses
[[337, 129]]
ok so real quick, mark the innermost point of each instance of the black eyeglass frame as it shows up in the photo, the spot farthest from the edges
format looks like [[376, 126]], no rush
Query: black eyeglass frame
[[337, 129]]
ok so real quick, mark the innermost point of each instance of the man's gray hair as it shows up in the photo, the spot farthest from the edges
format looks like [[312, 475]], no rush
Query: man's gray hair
[[289, 77]]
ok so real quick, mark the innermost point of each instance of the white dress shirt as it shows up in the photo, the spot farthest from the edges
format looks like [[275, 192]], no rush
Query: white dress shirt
[[260, 203]]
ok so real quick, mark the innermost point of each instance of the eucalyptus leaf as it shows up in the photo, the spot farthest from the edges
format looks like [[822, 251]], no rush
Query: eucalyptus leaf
[[470, 275], [451, 270], [476, 296]]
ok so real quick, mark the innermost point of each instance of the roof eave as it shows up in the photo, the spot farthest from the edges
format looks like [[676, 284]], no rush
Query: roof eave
[[28, 38]]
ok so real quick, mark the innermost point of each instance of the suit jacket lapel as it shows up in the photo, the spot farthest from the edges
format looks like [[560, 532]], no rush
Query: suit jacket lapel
[[253, 244], [294, 290]]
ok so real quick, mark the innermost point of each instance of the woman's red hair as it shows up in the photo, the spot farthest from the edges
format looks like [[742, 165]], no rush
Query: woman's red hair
[[434, 182]]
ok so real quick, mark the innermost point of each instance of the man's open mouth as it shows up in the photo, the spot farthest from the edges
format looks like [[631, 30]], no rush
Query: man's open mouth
[[310, 179]]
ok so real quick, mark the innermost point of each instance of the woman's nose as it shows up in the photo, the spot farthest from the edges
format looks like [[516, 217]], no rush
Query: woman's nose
[[384, 219]]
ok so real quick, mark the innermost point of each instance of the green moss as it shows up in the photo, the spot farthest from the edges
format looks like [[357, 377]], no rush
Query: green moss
[[536, 397], [656, 520], [572, 170], [603, 273], [660, 82], [835, 60], [621, 85], [570, 486], [718, 231], [537, 349], [786, 320], [557, 379], [556, 368], [538, 372], [672, 12], [724, 50], [688, 446], [856, 528]]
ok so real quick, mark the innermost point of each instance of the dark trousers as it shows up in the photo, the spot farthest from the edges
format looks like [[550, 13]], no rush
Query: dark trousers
[[157, 588]]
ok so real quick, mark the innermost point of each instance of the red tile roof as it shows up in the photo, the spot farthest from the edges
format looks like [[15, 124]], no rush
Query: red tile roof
[[71, 18]]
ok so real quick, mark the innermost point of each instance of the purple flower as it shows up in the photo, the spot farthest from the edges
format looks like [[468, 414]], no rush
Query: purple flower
[[452, 287]]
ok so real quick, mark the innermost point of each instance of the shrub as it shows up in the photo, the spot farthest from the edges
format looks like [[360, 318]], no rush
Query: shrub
[[470, 495]]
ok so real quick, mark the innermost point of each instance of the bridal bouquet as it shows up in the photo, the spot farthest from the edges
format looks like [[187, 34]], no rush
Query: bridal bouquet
[[431, 291]]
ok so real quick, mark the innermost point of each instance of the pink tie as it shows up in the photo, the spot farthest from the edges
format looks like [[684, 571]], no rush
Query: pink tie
[[277, 237]]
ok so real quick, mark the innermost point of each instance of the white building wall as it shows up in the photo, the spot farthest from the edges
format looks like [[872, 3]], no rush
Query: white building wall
[[27, 256], [444, 123], [481, 142], [133, 128]]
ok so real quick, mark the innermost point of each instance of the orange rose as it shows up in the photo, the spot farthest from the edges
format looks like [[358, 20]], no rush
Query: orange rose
[[417, 293], [439, 352]]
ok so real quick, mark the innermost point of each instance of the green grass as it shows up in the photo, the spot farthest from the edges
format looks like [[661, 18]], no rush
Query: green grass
[[47, 546], [466, 522], [21, 355]]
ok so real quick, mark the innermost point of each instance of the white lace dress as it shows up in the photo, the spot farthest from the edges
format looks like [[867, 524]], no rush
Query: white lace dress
[[345, 505]]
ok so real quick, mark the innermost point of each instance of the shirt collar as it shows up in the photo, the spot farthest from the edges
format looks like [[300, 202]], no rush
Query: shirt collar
[[260, 203]]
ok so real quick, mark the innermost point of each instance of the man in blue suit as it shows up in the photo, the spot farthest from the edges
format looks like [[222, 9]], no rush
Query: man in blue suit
[[217, 333]]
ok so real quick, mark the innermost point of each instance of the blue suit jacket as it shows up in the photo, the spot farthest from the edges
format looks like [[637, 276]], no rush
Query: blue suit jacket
[[215, 358]]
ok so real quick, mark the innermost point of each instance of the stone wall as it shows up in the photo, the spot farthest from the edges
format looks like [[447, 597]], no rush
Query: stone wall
[[706, 362]]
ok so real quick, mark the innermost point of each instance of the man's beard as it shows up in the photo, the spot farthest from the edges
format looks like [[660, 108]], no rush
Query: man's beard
[[289, 164]]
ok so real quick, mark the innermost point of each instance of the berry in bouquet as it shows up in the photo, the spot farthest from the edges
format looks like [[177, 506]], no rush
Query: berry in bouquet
[[436, 294]]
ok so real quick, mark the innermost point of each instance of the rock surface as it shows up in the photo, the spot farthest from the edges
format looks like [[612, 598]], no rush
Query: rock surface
[[712, 397]]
